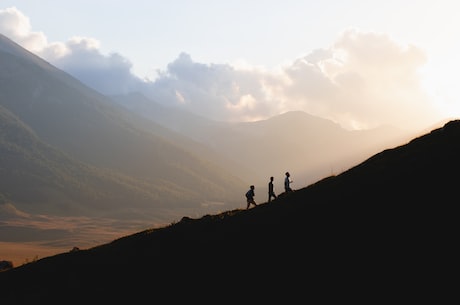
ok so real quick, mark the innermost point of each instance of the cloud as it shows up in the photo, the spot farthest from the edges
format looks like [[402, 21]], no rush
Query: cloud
[[15, 25], [217, 91], [363, 80], [79, 56]]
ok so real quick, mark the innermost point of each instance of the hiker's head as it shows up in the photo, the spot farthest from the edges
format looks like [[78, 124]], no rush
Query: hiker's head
[[252, 187], [287, 174], [271, 178]]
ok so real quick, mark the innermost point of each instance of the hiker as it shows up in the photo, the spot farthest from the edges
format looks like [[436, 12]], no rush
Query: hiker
[[287, 183], [271, 192], [250, 197]]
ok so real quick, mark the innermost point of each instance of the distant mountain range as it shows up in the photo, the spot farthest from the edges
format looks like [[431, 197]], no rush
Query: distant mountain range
[[68, 150], [309, 147], [382, 230], [110, 145]]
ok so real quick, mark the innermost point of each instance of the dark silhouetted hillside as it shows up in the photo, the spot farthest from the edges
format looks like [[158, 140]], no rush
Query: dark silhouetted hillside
[[383, 231]]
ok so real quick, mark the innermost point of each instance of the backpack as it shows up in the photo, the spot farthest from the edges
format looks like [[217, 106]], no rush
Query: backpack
[[248, 194]]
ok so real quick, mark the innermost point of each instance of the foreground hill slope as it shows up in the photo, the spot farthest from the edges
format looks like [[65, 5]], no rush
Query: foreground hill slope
[[380, 228]]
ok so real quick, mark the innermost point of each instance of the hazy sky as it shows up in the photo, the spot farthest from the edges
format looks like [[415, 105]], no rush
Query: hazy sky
[[358, 63]]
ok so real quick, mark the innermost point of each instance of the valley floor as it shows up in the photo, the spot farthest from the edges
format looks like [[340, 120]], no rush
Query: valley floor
[[23, 240], [25, 252]]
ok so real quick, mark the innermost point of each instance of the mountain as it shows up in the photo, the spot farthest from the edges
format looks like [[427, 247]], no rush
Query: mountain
[[308, 146], [89, 128], [384, 229], [191, 126], [39, 178]]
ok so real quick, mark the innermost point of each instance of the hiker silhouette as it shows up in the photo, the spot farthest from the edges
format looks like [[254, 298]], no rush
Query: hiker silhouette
[[287, 183], [250, 197], [271, 192]]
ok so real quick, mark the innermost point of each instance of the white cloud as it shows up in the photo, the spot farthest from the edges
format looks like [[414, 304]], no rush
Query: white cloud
[[218, 91], [363, 80], [376, 81], [15, 25], [79, 56]]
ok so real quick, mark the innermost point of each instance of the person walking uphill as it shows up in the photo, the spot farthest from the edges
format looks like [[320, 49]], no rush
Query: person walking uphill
[[271, 192], [287, 183], [250, 197]]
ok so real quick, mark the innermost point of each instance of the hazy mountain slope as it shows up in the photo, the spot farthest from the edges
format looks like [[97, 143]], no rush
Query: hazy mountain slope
[[193, 127], [181, 121], [37, 178], [384, 229], [308, 146], [89, 127]]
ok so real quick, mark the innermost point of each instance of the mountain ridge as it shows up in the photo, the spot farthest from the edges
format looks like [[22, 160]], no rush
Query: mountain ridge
[[90, 128], [314, 146]]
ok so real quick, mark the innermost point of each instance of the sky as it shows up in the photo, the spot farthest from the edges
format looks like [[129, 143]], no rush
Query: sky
[[361, 64]]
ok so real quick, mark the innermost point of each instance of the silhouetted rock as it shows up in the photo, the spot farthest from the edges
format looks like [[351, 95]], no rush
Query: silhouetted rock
[[5, 265]]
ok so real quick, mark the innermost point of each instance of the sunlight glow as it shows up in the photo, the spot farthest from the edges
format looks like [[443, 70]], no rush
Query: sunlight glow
[[444, 90]]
